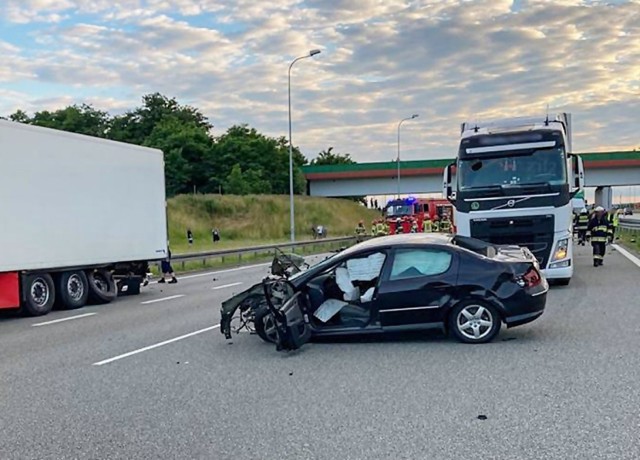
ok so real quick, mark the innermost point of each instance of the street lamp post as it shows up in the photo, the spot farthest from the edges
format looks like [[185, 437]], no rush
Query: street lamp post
[[291, 202], [415, 115]]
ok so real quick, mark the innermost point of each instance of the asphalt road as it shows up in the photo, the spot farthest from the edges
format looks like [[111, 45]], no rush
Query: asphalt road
[[564, 387]]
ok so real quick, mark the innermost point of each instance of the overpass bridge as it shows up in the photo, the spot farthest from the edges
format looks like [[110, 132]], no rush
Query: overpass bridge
[[602, 170]]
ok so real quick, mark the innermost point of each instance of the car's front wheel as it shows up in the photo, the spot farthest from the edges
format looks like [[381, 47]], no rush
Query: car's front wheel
[[474, 321], [265, 325]]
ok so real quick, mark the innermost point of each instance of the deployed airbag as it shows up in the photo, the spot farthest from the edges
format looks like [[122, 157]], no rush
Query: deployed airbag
[[328, 309]]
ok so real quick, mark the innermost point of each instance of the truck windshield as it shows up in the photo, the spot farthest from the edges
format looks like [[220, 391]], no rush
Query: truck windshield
[[540, 167], [401, 210]]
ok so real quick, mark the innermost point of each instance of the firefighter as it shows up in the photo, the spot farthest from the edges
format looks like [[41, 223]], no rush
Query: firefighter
[[360, 231], [374, 229], [445, 225], [582, 223], [600, 231], [436, 224], [414, 226], [427, 225], [615, 221], [380, 228]]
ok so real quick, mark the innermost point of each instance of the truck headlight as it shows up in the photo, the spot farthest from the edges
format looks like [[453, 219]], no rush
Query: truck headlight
[[561, 251]]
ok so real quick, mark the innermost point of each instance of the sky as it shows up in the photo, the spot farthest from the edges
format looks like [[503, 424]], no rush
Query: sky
[[381, 61]]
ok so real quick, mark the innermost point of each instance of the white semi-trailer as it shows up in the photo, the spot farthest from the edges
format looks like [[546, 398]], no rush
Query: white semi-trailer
[[79, 217], [515, 180]]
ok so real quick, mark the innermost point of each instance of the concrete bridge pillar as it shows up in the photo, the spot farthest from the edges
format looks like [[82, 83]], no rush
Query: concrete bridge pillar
[[604, 197]]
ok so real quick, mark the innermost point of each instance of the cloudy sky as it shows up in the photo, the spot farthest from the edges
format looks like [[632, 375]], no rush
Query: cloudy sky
[[381, 61]]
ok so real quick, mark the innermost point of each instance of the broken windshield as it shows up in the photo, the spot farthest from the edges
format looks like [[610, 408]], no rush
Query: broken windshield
[[540, 167]]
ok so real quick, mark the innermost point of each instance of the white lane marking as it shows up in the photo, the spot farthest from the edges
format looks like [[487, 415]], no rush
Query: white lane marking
[[198, 275], [224, 286], [627, 254], [163, 299], [151, 347], [63, 319]]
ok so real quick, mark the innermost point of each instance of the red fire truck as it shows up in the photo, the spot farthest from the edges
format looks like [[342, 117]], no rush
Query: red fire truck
[[410, 210]]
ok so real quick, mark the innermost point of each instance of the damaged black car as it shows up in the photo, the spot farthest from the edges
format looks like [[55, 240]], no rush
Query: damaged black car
[[463, 286]]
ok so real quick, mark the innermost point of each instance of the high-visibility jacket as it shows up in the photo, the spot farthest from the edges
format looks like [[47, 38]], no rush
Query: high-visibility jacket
[[616, 219], [374, 229], [360, 230], [427, 226], [380, 228], [582, 221], [445, 225], [436, 226], [600, 229]]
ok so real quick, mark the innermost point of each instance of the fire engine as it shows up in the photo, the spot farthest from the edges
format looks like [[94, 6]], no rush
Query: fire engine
[[410, 210]]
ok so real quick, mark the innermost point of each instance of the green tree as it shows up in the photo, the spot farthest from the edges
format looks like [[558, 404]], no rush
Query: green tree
[[327, 157], [236, 183], [81, 119]]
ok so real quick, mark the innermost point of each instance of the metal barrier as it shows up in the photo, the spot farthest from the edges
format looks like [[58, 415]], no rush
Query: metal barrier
[[267, 250], [629, 224]]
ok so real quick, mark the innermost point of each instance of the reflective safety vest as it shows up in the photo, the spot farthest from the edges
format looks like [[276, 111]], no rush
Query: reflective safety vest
[[436, 226], [445, 225], [616, 219], [427, 226], [380, 229], [599, 229], [582, 222], [360, 230], [373, 229]]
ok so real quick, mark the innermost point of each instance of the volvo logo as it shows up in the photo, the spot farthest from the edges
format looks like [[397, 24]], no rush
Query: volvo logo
[[511, 203]]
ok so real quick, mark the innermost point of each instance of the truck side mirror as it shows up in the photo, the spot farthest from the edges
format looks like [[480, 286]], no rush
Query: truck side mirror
[[577, 173]]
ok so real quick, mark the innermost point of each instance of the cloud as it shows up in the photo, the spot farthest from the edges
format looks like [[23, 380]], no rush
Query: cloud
[[381, 60]]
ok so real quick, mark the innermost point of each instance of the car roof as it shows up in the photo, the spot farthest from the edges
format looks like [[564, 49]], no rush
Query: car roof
[[401, 240]]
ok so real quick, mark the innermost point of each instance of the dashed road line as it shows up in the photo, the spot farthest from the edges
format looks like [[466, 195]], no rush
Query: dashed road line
[[151, 347], [224, 286], [69, 318], [163, 299]]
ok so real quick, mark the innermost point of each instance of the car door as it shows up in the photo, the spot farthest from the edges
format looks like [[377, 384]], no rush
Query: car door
[[292, 323], [416, 286]]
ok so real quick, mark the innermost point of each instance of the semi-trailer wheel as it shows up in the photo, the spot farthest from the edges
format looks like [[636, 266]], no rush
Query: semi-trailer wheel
[[39, 294], [73, 289], [102, 287]]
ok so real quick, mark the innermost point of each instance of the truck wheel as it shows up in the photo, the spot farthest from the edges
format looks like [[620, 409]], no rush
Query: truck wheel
[[102, 287], [73, 289], [39, 294]]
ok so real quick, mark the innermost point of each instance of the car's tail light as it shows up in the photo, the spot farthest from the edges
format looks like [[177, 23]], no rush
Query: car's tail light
[[530, 279]]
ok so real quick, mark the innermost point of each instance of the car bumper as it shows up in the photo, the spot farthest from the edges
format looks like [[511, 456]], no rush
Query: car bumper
[[558, 273], [527, 306]]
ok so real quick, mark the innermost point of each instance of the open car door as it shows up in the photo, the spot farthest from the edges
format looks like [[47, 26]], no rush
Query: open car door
[[292, 322]]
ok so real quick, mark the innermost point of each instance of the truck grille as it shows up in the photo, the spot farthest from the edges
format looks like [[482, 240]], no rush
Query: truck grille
[[533, 232]]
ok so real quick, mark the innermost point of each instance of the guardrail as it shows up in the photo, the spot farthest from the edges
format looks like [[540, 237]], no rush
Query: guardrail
[[267, 249], [629, 224]]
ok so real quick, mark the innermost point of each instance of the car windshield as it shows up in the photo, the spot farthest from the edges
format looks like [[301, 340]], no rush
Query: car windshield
[[541, 167], [400, 210], [326, 262]]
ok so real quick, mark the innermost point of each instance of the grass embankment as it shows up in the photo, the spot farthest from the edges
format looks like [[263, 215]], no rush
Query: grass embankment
[[257, 219], [630, 239]]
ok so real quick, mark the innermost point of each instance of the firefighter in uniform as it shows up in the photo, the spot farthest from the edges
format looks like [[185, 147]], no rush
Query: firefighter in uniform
[[427, 225], [615, 221], [414, 226], [445, 225], [380, 228], [582, 223], [373, 228], [360, 231], [600, 231], [436, 224]]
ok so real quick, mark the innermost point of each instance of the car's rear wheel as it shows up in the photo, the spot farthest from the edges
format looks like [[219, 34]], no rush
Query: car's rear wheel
[[474, 321], [265, 326]]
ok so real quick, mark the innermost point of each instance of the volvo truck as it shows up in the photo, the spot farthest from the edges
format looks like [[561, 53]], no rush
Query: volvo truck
[[80, 218], [514, 183]]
